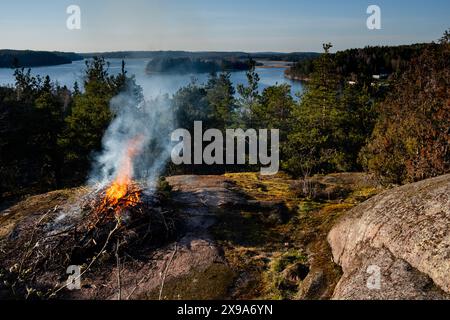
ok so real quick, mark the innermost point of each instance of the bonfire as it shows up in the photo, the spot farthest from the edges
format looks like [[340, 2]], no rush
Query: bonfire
[[123, 193], [116, 220]]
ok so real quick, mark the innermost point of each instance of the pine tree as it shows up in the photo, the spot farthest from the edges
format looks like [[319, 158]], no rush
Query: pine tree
[[274, 110], [220, 96], [249, 97], [76, 89], [90, 113], [314, 143]]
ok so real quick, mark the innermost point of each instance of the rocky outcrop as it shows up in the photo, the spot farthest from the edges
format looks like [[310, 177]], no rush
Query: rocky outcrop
[[396, 245], [190, 266], [244, 236]]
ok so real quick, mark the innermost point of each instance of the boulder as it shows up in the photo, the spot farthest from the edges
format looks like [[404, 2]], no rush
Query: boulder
[[396, 245]]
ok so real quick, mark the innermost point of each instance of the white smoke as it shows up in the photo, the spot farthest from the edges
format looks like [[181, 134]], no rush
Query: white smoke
[[147, 124]]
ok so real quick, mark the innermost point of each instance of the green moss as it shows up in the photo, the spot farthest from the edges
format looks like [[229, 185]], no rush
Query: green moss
[[276, 285], [307, 206], [363, 194], [263, 187], [240, 228], [212, 283], [259, 250], [281, 263], [336, 207]]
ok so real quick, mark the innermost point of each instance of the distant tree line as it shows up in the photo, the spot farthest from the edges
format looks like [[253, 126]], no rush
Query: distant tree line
[[27, 58], [206, 55], [362, 64]]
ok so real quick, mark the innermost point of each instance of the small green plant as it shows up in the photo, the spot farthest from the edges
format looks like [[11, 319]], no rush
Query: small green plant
[[164, 187], [281, 277]]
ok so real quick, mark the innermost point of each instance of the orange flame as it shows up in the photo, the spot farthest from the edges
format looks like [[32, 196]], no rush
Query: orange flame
[[122, 193]]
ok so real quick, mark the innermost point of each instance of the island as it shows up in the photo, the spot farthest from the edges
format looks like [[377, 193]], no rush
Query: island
[[29, 58], [190, 65]]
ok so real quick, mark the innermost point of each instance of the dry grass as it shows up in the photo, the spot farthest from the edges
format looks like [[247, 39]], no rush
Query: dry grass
[[35, 205], [44, 234], [266, 263]]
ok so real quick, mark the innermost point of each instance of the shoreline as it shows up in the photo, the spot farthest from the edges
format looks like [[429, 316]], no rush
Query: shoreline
[[295, 78]]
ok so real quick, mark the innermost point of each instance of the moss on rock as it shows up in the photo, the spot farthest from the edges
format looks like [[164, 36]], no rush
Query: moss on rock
[[212, 283]]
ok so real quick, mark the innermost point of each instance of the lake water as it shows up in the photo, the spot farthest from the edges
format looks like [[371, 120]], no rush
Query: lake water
[[153, 85]]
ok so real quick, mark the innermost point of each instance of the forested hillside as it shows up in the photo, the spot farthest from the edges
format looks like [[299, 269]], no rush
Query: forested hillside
[[362, 64]]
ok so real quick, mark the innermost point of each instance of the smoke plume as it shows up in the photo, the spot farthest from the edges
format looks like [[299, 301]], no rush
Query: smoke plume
[[136, 144]]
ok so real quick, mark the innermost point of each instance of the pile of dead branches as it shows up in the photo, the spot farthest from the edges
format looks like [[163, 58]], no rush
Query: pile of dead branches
[[128, 207], [94, 238]]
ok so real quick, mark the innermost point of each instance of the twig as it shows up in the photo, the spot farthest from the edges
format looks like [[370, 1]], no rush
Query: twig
[[30, 248], [145, 278], [93, 259], [60, 233], [119, 286], [165, 222], [165, 271]]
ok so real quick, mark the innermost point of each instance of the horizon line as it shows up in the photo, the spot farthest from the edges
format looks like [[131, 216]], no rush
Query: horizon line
[[213, 51]]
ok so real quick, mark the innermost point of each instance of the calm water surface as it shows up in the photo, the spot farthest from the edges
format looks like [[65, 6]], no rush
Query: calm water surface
[[153, 85]]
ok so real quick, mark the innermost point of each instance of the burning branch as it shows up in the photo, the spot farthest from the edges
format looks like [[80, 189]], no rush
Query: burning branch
[[123, 191]]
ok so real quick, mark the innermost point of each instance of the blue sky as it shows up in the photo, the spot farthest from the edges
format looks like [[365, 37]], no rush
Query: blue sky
[[244, 25]]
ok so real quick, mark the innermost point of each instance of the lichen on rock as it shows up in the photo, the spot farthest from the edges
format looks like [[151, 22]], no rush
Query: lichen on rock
[[406, 233]]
